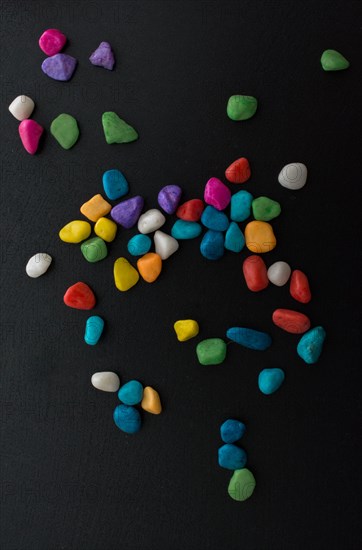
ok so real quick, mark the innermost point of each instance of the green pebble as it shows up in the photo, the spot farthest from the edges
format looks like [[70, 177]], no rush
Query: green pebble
[[242, 484], [211, 351], [241, 107], [332, 60], [117, 130], [94, 249], [65, 130], [265, 209]]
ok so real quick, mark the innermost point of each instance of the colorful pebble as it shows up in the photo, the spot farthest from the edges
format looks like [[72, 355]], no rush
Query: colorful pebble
[[115, 184], [106, 381], [211, 351], [212, 245], [75, 231], [234, 238], [291, 321], [255, 273], [241, 485], [150, 267], [265, 209], [150, 221], [151, 401], [241, 107], [231, 457], [126, 213], [59, 66], [169, 197], [125, 275], [93, 330], [80, 296], [94, 250], [270, 380], [38, 265], [103, 56], [186, 329], [310, 345], [22, 107], [249, 338], [259, 237], [127, 419], [139, 245], [65, 130], [106, 229], [332, 60], [131, 393], [30, 133], [165, 245], [279, 273], [293, 176], [241, 206], [232, 430], [117, 130], [299, 287], [52, 41], [190, 211], [217, 194], [95, 208], [238, 171], [182, 230], [214, 219]]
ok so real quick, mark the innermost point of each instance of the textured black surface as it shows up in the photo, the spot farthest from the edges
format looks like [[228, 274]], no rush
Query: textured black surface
[[70, 479]]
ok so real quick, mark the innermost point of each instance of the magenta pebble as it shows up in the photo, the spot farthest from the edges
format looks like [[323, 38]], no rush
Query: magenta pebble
[[217, 194], [52, 41]]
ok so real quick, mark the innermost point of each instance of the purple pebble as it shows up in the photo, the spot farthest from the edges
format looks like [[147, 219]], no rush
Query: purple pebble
[[169, 197], [126, 213], [103, 56], [59, 66]]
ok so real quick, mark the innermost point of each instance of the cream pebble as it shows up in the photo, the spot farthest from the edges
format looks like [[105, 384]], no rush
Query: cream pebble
[[38, 264], [293, 176], [22, 107], [279, 273], [150, 221], [165, 245], [106, 381]]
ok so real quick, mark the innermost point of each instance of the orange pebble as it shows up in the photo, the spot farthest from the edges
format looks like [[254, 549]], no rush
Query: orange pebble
[[151, 401], [95, 208], [259, 237], [149, 266]]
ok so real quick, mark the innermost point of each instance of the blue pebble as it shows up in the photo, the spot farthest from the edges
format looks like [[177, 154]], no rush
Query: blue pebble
[[231, 430], [234, 238], [93, 330], [115, 184], [131, 393], [182, 230], [214, 219], [240, 206], [231, 457], [139, 245], [212, 245], [249, 338], [311, 344], [127, 419], [270, 380]]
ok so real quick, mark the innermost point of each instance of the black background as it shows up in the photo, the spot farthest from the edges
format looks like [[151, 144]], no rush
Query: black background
[[70, 479]]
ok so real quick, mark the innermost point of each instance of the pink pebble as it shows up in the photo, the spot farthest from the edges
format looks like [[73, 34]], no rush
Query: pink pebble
[[52, 41], [217, 194], [30, 133]]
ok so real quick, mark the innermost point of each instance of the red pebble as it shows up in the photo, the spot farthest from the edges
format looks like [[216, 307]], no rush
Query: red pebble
[[238, 171], [291, 321], [191, 211], [255, 273], [80, 296], [299, 287]]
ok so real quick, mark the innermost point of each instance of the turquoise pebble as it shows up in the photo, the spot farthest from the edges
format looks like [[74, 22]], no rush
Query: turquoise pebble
[[214, 219], [212, 245], [311, 344], [270, 380], [249, 338], [131, 393], [127, 419], [241, 206], [231, 430], [182, 230], [231, 457], [115, 184], [139, 245], [93, 329], [234, 238]]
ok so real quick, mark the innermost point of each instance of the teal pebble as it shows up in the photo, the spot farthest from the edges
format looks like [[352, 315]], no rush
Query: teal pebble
[[214, 219], [115, 184], [311, 344], [183, 230], [131, 393], [241, 206], [139, 245], [249, 338], [234, 238], [270, 380], [93, 329], [231, 457], [231, 430], [127, 419], [212, 245]]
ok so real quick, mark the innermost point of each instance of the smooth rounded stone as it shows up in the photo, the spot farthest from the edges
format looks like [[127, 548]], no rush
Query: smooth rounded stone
[[93, 330], [241, 206], [65, 130], [165, 245], [259, 237], [249, 338], [265, 209], [214, 219], [127, 419], [182, 230], [150, 267], [52, 41], [131, 393], [255, 273], [116, 130], [151, 401], [299, 287], [106, 229], [238, 171], [94, 250], [22, 107], [103, 56], [234, 238], [217, 194], [139, 245], [241, 485], [212, 245], [211, 351], [279, 273], [186, 329], [241, 107], [232, 430], [95, 208], [150, 221], [115, 184], [59, 66], [106, 381], [169, 197], [126, 213], [125, 275], [191, 210], [80, 296], [30, 133], [332, 60], [291, 321], [75, 231], [270, 380], [38, 264], [310, 345], [231, 457], [293, 176]]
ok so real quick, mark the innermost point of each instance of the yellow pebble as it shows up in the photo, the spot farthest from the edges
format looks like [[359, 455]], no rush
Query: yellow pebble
[[95, 208], [259, 237], [186, 329], [75, 232], [106, 229], [151, 401], [125, 275]]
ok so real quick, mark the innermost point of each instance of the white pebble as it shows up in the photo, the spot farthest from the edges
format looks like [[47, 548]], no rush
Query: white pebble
[[165, 245], [106, 381], [150, 221], [22, 107], [38, 264], [293, 176], [279, 273]]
